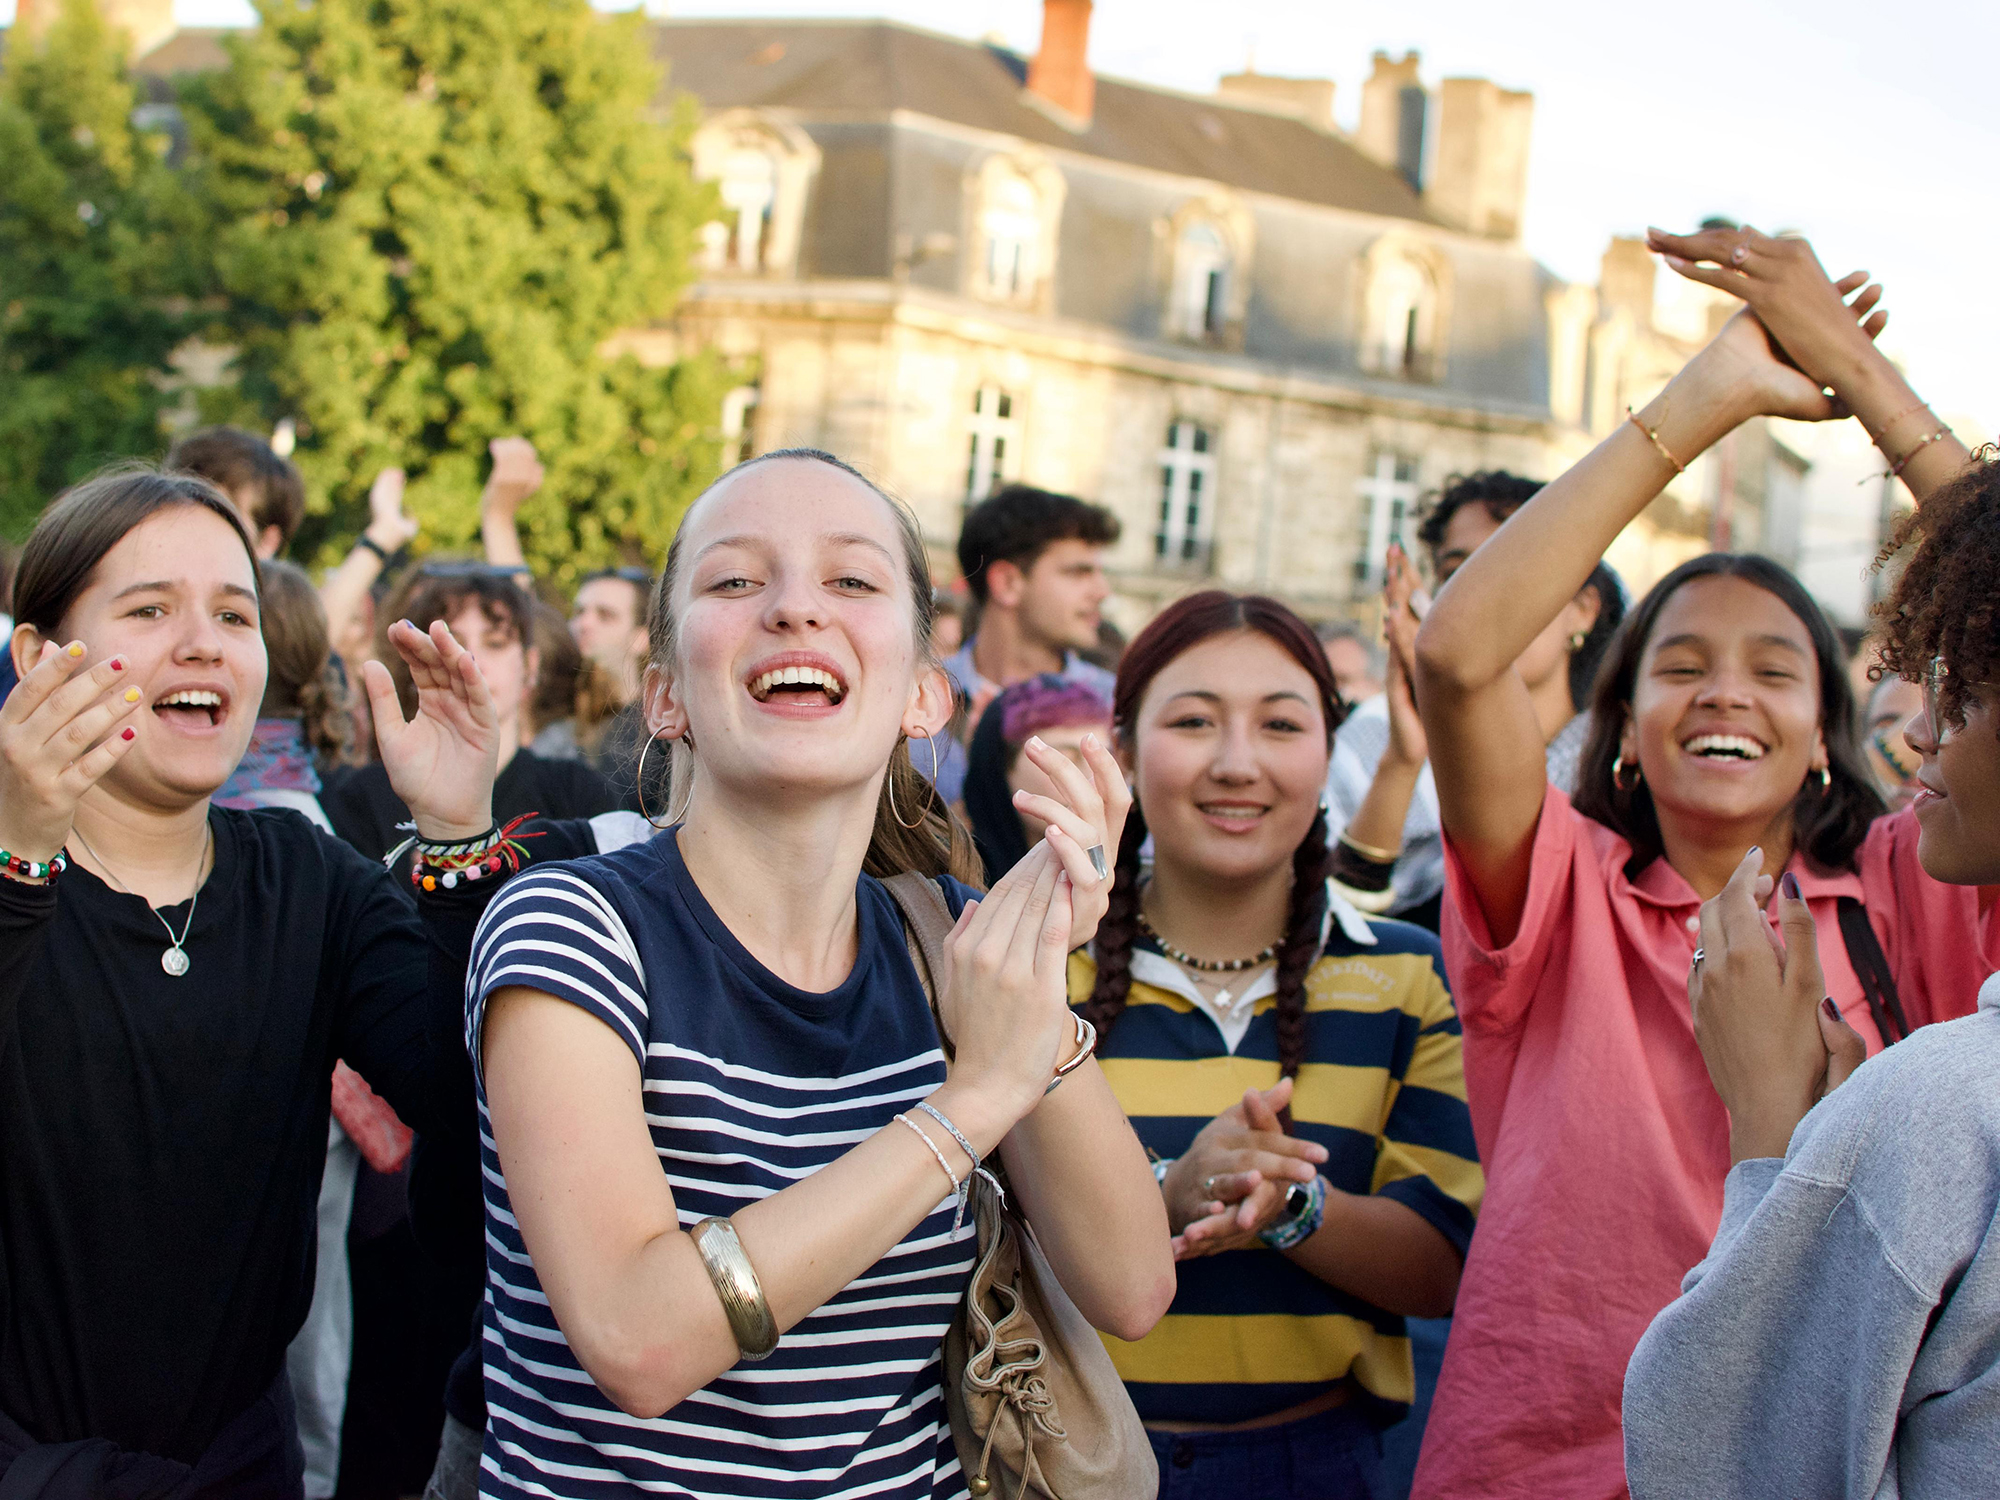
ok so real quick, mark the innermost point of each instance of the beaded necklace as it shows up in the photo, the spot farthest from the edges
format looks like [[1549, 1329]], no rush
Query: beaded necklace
[[1207, 965]]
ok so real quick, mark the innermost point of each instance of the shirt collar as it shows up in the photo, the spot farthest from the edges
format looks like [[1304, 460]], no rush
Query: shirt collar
[[1989, 993], [1660, 884]]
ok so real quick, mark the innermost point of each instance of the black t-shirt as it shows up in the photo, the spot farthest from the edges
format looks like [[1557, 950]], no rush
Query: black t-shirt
[[365, 810], [162, 1139]]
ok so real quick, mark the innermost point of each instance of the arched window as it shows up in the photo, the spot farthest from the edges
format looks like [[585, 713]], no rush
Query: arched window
[[761, 168], [991, 442], [1201, 282], [1187, 498], [1011, 228], [1400, 334], [749, 191]]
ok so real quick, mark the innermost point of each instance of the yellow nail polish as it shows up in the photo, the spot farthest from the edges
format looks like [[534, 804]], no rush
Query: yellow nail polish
[[76, 648], [131, 695]]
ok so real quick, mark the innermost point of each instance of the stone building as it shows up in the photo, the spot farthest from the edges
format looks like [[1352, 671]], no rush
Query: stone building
[[1261, 340]]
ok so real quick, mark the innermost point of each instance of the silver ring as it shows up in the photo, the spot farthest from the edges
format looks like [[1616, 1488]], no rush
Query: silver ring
[[1695, 962], [1208, 1186], [1741, 253], [1096, 853]]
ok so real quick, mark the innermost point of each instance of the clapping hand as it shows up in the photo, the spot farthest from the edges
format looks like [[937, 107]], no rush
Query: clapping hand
[[64, 725], [442, 762], [1231, 1183], [1090, 813], [1773, 1042]]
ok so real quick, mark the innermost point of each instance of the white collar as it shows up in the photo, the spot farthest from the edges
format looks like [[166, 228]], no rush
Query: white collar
[[1989, 993]]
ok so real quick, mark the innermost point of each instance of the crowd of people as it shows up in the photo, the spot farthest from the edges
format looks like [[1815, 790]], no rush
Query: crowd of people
[[462, 1040]]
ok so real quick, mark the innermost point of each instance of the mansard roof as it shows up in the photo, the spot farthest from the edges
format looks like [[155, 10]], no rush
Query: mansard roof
[[861, 69]]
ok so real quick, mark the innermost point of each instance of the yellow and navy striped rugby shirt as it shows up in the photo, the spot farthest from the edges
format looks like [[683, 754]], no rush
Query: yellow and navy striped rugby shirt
[[1382, 1087]]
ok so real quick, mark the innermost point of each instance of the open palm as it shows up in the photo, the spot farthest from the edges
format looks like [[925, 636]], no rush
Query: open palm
[[441, 762]]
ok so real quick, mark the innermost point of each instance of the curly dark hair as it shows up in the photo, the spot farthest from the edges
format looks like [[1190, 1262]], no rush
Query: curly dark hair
[[1500, 494], [1945, 606], [1180, 626]]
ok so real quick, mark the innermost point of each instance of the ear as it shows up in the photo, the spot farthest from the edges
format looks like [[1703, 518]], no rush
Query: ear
[[1820, 759], [1121, 751], [666, 716], [1584, 610], [26, 644], [1005, 584], [932, 703], [270, 542], [1628, 741]]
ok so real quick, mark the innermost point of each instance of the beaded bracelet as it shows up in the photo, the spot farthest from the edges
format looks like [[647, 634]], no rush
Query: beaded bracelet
[[32, 871], [468, 860]]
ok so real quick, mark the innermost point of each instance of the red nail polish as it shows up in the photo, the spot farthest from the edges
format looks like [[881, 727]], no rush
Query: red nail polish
[[128, 734], [117, 663], [1832, 1010]]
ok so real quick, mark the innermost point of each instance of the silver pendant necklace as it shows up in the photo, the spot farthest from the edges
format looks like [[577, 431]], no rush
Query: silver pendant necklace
[[175, 960]]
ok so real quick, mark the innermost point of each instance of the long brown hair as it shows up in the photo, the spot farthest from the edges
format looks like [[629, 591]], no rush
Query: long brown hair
[[1176, 629], [939, 844], [302, 682]]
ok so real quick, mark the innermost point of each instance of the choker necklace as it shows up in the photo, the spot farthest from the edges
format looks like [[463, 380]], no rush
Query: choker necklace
[[174, 960], [1207, 965]]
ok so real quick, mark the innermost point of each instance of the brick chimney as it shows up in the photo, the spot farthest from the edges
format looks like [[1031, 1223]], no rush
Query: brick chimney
[[1393, 106], [1060, 72], [1479, 176], [146, 23]]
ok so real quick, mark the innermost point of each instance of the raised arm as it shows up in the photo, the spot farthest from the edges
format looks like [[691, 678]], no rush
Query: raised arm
[[389, 531], [1486, 746], [517, 474], [1378, 822]]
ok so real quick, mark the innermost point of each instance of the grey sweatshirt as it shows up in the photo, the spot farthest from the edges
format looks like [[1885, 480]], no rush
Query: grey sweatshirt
[[1843, 1336]]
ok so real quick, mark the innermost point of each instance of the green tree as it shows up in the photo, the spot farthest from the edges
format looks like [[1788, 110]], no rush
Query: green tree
[[96, 272], [431, 215]]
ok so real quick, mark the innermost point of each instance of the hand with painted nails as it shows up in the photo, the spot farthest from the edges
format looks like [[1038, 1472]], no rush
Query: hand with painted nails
[[68, 722], [1088, 813], [1772, 1048], [1229, 1185], [442, 762], [1004, 1000]]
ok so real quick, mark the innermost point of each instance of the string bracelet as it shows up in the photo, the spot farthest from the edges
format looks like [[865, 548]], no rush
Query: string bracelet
[[32, 871], [957, 1183], [963, 1144], [497, 850], [1908, 411], [1653, 433], [1896, 468]]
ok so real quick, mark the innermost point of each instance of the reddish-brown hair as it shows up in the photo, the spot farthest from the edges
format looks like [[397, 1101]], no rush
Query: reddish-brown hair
[[1177, 629]]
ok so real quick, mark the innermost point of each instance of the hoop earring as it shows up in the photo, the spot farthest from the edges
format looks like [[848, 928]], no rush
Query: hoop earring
[[1618, 775], [1825, 781], [686, 802], [890, 786]]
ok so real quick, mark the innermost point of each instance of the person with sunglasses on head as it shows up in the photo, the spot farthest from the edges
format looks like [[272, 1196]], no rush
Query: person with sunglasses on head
[[177, 982], [725, 1155], [486, 607], [1842, 1336], [1723, 725]]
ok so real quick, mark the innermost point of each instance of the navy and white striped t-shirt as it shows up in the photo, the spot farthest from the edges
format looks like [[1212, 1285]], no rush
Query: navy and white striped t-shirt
[[750, 1086]]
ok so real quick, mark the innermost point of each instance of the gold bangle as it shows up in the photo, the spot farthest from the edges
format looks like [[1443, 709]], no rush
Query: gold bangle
[[1654, 434], [1370, 853], [1086, 1044], [736, 1286]]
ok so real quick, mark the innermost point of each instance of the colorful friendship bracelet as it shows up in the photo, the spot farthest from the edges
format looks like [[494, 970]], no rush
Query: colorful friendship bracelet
[[482, 858], [33, 871]]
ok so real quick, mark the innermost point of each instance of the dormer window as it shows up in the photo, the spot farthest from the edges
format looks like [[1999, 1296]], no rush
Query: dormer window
[[761, 169], [1403, 320], [1201, 283], [1015, 206]]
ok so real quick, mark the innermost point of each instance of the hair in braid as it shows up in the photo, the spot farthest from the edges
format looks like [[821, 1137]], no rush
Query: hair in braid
[[1176, 629]]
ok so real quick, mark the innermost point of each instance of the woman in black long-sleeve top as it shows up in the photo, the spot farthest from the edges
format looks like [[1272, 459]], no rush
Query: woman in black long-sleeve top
[[171, 1005]]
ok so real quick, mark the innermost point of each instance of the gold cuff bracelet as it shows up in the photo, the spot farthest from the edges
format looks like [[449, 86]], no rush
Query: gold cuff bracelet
[[736, 1286]]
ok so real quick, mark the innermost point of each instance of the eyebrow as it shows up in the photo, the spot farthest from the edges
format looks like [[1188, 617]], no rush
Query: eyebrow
[[1689, 638], [1206, 696], [164, 586], [834, 538]]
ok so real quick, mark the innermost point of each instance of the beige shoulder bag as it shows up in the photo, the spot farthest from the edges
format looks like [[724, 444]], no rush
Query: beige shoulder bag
[[1037, 1409]]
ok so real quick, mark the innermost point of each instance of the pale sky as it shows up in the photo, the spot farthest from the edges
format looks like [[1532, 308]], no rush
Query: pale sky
[[1858, 124]]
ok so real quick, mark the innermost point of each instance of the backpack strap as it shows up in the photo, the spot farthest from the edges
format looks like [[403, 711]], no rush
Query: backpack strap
[[1871, 967], [927, 922]]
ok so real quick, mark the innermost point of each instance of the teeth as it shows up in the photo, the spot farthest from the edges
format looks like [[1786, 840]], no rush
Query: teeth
[[190, 699], [761, 687], [1725, 745]]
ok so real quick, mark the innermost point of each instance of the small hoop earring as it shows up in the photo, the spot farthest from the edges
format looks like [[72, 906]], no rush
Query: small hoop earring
[[1618, 774], [686, 802], [1825, 780], [890, 785]]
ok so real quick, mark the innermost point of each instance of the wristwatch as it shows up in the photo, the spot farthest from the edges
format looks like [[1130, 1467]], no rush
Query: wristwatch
[[1305, 1210]]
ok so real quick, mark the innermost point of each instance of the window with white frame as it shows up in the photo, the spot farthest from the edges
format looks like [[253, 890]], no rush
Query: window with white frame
[[1388, 494], [991, 442], [1201, 282], [1187, 497], [1010, 226], [1401, 330], [748, 187], [739, 412]]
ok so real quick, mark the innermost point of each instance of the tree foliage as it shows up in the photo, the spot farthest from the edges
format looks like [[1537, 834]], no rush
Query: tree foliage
[[96, 263], [429, 217]]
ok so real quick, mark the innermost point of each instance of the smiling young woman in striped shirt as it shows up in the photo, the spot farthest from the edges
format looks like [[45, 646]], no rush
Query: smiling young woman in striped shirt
[[723, 1023]]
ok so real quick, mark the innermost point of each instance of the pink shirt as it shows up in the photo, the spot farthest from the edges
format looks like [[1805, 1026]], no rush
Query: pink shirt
[[1604, 1143]]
